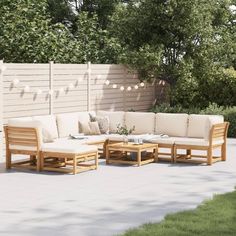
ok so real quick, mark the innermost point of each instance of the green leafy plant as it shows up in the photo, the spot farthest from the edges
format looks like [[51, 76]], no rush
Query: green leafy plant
[[123, 130]]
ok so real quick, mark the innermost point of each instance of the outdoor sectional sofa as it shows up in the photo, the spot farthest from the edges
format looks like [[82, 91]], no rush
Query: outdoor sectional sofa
[[47, 138]]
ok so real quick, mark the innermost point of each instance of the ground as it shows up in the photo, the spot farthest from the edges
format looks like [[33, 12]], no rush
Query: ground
[[108, 201]]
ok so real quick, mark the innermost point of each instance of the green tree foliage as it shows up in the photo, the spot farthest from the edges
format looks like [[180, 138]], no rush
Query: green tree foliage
[[104, 9], [27, 35], [185, 43]]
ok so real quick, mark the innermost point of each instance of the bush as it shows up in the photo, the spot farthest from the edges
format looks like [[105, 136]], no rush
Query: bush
[[229, 113], [203, 90]]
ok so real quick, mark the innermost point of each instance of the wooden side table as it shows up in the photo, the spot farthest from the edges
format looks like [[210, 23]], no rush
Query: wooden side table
[[119, 153]]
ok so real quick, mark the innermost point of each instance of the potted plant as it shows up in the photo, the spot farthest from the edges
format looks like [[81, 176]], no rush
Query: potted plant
[[123, 130]]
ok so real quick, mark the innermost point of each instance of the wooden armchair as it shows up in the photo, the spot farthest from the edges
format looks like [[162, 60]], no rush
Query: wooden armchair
[[22, 141], [217, 139]]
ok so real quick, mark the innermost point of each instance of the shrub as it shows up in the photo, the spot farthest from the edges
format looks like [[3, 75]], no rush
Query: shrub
[[203, 90]]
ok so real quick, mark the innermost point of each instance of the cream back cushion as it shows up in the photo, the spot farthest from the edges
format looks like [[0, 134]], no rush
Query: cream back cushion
[[199, 125], [68, 123], [49, 127], [172, 124], [84, 117], [144, 122], [115, 118]]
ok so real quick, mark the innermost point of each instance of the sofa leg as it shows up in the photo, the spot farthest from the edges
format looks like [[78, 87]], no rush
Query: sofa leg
[[174, 153], [209, 156], [8, 160], [74, 165], [96, 160], [42, 162], [188, 153], [33, 159], [38, 162], [223, 152]]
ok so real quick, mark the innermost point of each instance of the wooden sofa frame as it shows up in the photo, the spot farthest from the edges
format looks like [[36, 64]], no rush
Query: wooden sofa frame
[[27, 137], [38, 160], [218, 132]]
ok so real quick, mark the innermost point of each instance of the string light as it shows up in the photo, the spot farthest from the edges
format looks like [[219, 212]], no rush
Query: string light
[[3, 68], [61, 90], [39, 91], [15, 82], [26, 88], [50, 92], [107, 82], [71, 86]]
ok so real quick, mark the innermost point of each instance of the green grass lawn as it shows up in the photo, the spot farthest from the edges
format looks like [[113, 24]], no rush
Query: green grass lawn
[[216, 217]]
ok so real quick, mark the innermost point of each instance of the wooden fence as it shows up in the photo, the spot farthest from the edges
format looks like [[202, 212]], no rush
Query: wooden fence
[[40, 89]]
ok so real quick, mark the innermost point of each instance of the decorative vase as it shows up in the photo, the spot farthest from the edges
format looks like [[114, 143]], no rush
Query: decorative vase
[[125, 139]]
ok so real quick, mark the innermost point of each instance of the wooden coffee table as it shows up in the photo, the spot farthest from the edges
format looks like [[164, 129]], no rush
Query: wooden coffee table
[[120, 153]]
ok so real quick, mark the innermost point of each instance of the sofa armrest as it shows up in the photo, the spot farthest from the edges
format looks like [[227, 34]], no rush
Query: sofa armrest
[[219, 132], [22, 138]]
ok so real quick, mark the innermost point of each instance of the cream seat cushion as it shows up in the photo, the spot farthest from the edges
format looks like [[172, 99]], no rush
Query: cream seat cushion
[[68, 147], [196, 142], [88, 139], [199, 125], [169, 141], [95, 138], [144, 122], [172, 124], [115, 118]]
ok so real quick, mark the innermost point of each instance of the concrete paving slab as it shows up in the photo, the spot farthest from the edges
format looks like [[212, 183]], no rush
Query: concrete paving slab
[[107, 201]]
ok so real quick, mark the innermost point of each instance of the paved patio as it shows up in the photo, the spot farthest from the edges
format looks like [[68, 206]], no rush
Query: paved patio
[[107, 201]]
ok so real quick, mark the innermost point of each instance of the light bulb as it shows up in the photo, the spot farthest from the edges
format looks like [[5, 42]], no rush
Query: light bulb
[[79, 80], [3, 68], [16, 82], [129, 88], [136, 86], [114, 86], [142, 84], [39, 91], [50, 92], [107, 82], [26, 88], [71, 86], [61, 90], [122, 88]]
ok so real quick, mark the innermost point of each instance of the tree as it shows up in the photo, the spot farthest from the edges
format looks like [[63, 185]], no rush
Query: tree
[[176, 40], [177, 30], [27, 34]]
